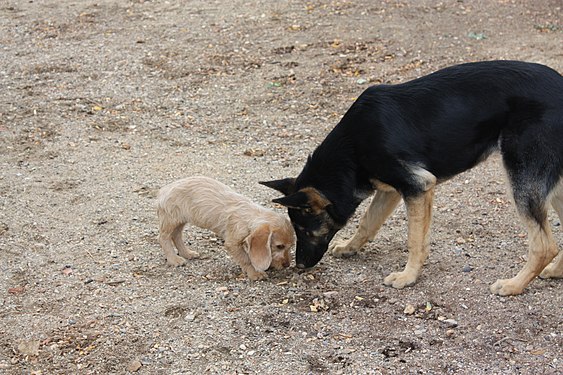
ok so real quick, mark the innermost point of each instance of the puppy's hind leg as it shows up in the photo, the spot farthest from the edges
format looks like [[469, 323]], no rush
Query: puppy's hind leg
[[555, 268], [382, 205], [183, 250], [166, 239]]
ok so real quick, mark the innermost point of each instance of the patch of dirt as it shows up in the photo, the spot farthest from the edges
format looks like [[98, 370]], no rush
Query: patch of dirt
[[103, 102]]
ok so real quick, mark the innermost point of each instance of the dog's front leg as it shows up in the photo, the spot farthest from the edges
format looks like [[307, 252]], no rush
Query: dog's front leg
[[419, 212], [382, 205], [236, 251]]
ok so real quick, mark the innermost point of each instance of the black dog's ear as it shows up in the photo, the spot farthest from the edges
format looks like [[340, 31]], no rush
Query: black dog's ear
[[298, 200], [307, 198], [285, 186]]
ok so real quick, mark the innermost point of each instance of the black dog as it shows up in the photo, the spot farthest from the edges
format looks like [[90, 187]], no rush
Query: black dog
[[402, 140]]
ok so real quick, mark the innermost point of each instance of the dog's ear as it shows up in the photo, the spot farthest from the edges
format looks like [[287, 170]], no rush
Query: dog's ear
[[308, 198], [285, 186], [257, 245]]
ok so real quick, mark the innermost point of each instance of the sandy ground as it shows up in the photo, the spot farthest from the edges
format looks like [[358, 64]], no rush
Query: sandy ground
[[103, 102]]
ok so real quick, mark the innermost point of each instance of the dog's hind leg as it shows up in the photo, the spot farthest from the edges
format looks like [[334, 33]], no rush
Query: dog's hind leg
[[542, 247], [382, 205], [183, 250], [555, 268], [419, 212], [167, 238]]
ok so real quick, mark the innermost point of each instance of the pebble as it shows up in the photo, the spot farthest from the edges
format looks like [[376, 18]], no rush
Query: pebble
[[409, 309], [450, 322], [190, 317], [467, 268], [134, 366]]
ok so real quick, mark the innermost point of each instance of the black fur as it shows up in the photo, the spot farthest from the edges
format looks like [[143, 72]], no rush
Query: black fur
[[446, 123]]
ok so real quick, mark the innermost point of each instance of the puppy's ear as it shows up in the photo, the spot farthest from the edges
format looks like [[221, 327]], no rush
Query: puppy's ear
[[257, 245], [307, 198], [285, 186]]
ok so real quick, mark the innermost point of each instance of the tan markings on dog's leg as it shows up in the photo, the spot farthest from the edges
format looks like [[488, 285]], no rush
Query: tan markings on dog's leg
[[382, 205], [165, 238], [183, 250], [555, 268], [240, 256], [542, 249], [419, 212]]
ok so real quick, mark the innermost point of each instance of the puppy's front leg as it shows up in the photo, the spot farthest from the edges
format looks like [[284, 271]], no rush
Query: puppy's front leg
[[419, 212], [236, 251], [382, 205]]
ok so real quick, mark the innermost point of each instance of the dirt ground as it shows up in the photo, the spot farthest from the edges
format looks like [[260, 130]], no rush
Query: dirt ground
[[103, 102]]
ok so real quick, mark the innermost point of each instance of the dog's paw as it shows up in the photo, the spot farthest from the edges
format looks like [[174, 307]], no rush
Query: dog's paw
[[552, 272], [256, 275], [341, 249], [189, 254], [175, 261], [506, 287], [399, 280]]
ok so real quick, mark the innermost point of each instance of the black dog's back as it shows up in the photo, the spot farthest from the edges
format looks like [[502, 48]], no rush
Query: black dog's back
[[452, 119]]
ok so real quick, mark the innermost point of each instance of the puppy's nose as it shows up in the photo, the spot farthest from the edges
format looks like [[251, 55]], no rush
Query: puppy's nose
[[301, 265]]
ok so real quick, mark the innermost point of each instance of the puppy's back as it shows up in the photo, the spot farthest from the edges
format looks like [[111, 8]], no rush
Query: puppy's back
[[201, 201]]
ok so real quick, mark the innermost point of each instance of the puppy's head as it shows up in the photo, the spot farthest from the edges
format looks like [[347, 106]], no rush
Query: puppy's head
[[283, 239], [269, 244]]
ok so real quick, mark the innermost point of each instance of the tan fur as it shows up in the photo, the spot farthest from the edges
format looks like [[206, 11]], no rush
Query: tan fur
[[419, 213], [542, 246], [255, 237], [317, 201], [382, 205], [542, 249], [555, 269]]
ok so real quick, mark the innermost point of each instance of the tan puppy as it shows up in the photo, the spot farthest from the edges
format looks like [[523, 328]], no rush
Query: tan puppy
[[255, 237]]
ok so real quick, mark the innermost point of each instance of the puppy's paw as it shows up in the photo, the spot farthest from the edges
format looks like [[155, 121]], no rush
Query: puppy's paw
[[552, 272], [399, 280], [506, 287], [189, 254], [256, 275], [175, 261], [342, 249]]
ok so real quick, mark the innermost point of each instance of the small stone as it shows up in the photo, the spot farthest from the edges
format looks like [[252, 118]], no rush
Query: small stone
[[450, 322], [29, 347], [467, 268], [190, 317], [134, 366], [409, 309], [330, 293]]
